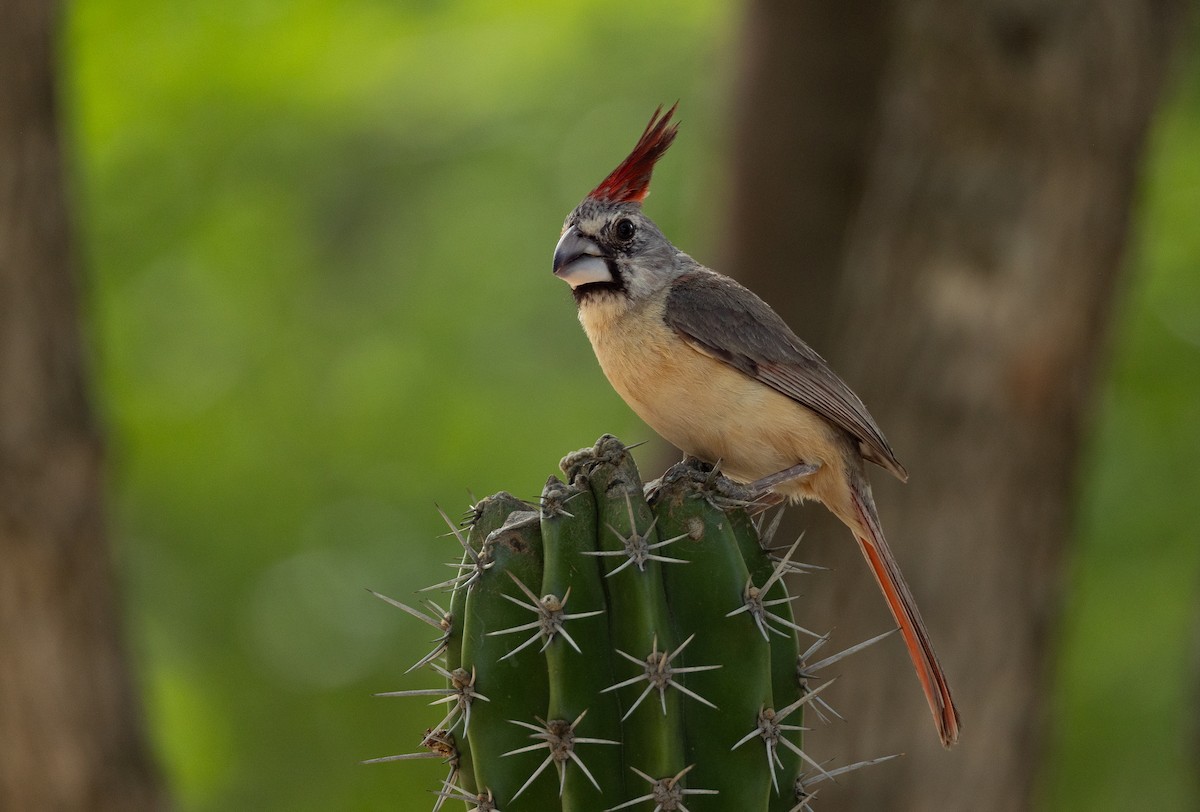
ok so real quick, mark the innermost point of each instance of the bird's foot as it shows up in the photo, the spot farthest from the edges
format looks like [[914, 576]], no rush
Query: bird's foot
[[726, 494], [758, 495]]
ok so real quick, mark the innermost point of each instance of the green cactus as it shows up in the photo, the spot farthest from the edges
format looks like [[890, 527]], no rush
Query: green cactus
[[606, 652]]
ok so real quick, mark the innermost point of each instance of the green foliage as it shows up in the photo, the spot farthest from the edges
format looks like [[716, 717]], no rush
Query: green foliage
[[317, 241], [634, 643]]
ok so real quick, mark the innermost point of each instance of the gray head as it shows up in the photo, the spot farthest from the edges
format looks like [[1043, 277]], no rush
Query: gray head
[[609, 247]]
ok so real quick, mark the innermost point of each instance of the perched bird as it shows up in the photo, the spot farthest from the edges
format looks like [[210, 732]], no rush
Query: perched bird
[[712, 368]]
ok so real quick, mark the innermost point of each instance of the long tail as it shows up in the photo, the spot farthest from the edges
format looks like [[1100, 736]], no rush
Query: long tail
[[887, 573]]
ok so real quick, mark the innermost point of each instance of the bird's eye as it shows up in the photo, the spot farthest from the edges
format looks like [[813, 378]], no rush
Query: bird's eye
[[624, 230]]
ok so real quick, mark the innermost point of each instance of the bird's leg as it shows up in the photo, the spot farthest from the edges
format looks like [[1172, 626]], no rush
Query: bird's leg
[[786, 475]]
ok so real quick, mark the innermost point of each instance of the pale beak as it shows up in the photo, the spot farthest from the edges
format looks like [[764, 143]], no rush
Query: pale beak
[[579, 261]]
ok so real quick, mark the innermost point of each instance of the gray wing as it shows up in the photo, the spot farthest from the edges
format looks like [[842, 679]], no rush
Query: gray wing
[[722, 319]]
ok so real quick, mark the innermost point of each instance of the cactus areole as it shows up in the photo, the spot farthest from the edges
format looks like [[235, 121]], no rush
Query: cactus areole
[[620, 647]]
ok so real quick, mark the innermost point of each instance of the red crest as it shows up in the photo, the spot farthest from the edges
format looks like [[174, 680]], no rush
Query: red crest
[[630, 181]]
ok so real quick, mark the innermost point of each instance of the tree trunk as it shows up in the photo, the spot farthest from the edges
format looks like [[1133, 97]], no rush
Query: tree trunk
[[805, 114], [68, 720], [966, 298]]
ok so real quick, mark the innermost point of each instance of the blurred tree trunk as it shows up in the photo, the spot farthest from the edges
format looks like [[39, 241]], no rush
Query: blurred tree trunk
[[68, 719], [936, 194]]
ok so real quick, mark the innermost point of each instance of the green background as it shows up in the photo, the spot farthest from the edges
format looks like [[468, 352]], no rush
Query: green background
[[316, 239]]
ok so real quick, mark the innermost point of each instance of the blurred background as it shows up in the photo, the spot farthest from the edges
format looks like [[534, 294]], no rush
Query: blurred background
[[313, 243]]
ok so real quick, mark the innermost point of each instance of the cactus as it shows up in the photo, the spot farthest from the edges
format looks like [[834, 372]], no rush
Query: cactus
[[621, 647]]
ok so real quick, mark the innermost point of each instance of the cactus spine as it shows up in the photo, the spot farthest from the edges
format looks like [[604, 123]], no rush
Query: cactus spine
[[607, 652]]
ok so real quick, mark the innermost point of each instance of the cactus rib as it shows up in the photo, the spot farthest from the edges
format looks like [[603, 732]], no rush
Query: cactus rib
[[578, 672], [702, 594]]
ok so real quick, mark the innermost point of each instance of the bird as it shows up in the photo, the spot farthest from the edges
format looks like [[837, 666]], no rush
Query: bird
[[710, 367]]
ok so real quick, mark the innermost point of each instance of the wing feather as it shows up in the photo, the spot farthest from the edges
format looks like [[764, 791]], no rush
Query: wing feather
[[719, 317]]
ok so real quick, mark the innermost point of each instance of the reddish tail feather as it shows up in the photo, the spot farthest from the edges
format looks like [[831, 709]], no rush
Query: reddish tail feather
[[904, 609]]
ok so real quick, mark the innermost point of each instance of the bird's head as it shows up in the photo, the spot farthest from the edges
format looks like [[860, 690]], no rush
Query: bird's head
[[608, 247]]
